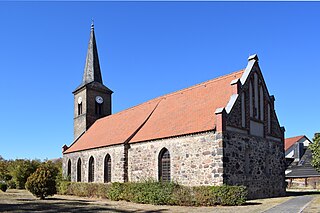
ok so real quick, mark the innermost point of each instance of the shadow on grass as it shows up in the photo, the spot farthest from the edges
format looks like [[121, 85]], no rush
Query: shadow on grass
[[251, 204], [63, 206], [302, 193]]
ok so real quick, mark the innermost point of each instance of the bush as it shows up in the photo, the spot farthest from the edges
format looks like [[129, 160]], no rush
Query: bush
[[116, 191], [11, 184], [21, 169], [3, 187], [230, 195], [84, 189], [159, 193], [62, 187], [42, 183]]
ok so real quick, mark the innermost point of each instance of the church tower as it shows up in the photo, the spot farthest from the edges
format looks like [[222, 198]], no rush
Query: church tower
[[92, 99]]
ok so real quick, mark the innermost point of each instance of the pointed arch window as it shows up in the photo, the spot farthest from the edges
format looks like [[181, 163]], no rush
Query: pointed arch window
[[91, 170], [164, 165], [107, 169], [69, 168], [79, 170]]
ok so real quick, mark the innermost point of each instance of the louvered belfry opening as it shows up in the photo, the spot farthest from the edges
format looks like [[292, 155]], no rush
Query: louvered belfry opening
[[164, 165], [79, 170], [107, 169], [91, 170]]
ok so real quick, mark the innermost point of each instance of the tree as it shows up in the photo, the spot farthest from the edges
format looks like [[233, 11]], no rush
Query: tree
[[21, 169], [4, 172], [315, 149], [42, 183]]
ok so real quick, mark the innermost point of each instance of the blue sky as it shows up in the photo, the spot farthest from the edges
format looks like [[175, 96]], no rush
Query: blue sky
[[148, 49]]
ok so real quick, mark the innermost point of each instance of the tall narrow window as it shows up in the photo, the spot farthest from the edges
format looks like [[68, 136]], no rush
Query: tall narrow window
[[269, 119], [164, 165], [80, 108], [261, 104], [98, 109], [79, 170], [107, 169], [243, 110], [69, 168], [256, 96], [91, 170], [251, 97]]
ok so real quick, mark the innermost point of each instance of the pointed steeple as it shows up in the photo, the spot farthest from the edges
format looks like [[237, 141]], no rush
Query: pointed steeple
[[92, 68]]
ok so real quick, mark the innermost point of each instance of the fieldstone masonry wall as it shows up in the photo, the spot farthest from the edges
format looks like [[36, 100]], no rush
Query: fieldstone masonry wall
[[195, 159], [255, 162], [201, 159], [116, 153]]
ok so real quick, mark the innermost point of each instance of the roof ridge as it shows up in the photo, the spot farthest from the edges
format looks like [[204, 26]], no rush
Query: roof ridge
[[202, 83], [299, 136], [174, 93]]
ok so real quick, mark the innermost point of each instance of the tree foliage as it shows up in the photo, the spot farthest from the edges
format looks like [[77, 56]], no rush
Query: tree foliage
[[21, 169], [315, 149], [42, 183]]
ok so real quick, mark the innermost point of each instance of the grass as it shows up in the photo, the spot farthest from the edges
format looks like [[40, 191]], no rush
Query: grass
[[23, 201]]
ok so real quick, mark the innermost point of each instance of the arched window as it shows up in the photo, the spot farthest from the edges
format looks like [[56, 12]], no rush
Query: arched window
[[91, 170], [69, 168], [107, 169], [164, 165], [79, 170]]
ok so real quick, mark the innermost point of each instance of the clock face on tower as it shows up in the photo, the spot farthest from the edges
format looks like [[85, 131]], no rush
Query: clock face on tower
[[99, 99], [79, 100]]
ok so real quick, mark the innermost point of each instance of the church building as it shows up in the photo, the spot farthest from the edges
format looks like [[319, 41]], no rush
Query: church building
[[222, 131]]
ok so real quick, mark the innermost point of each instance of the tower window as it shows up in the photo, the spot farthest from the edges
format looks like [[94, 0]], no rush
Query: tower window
[[91, 170], [107, 169], [164, 165], [80, 109], [79, 170], [98, 109]]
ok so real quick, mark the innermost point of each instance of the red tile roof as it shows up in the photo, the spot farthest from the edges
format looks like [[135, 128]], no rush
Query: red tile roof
[[186, 111], [288, 142]]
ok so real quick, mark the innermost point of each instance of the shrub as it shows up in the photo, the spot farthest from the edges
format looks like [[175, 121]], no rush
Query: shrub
[[116, 191], [183, 196], [229, 195], [62, 187], [42, 183], [152, 192], [3, 187], [203, 196], [160, 193], [11, 184], [21, 169]]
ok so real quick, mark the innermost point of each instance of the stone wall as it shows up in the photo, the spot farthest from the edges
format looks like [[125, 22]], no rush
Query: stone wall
[[255, 162], [117, 163], [195, 159]]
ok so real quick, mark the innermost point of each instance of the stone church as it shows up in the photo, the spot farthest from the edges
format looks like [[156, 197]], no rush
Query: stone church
[[222, 131]]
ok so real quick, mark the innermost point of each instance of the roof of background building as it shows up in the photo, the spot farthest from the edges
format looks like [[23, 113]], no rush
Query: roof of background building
[[303, 168], [288, 142], [186, 111]]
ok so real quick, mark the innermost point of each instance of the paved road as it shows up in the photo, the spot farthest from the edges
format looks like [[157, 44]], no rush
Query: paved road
[[294, 205]]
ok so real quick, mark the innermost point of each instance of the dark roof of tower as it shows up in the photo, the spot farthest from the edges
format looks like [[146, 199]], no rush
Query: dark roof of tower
[[92, 72]]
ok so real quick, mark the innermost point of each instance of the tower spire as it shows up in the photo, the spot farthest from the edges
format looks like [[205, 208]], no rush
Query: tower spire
[[92, 70]]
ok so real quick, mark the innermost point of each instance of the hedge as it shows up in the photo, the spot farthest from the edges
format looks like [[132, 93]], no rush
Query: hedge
[[158, 193]]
